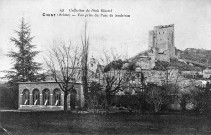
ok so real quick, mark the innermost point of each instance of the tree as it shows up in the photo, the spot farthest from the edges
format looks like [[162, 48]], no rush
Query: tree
[[157, 95], [112, 75], [84, 65], [201, 97], [24, 68], [172, 81], [64, 65], [184, 99], [139, 86], [94, 94]]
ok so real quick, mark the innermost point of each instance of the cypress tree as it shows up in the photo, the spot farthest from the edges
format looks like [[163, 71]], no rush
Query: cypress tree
[[24, 67]]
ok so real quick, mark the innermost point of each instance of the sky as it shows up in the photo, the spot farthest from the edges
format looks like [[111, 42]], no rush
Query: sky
[[127, 35]]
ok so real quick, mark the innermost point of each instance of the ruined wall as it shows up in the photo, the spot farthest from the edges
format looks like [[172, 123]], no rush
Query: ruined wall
[[151, 39], [144, 63]]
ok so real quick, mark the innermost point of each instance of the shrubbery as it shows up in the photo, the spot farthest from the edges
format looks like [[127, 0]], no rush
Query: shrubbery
[[200, 98], [154, 99]]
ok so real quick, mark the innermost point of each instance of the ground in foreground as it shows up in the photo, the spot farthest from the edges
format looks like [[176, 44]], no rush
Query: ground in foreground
[[118, 123]]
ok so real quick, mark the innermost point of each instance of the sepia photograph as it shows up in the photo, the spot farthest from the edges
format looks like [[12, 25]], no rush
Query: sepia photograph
[[105, 67]]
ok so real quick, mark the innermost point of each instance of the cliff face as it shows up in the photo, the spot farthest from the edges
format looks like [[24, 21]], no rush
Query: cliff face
[[198, 55]]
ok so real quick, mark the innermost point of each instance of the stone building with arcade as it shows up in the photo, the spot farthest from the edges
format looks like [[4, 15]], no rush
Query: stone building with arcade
[[46, 96]]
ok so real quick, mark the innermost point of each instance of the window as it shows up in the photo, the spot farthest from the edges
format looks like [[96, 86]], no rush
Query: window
[[26, 97], [46, 97], [36, 97], [57, 97]]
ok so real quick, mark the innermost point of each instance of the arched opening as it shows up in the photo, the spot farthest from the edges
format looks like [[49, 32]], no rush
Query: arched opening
[[46, 97], [57, 97], [25, 97], [36, 97]]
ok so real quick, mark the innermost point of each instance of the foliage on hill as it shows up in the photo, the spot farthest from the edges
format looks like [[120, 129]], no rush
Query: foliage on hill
[[114, 65], [120, 64]]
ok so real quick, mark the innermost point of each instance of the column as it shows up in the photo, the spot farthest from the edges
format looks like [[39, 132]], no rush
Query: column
[[68, 100], [41, 99], [31, 99], [51, 99], [62, 99], [20, 101]]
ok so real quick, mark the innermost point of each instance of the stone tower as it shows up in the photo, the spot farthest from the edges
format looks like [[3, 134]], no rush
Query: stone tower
[[161, 39], [93, 64]]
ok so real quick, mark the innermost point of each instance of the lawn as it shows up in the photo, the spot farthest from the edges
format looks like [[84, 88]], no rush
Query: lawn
[[117, 123]]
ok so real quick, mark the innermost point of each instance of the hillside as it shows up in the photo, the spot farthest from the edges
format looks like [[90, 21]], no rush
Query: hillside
[[199, 55], [162, 65], [190, 59]]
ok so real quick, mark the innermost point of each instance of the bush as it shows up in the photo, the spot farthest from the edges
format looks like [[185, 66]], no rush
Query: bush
[[200, 98], [128, 101], [131, 102], [8, 96], [96, 95]]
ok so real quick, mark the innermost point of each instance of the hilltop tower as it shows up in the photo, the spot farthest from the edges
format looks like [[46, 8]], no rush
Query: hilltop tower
[[161, 40]]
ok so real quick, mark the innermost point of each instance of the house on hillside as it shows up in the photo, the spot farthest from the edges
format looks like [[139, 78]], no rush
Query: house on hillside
[[206, 73]]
